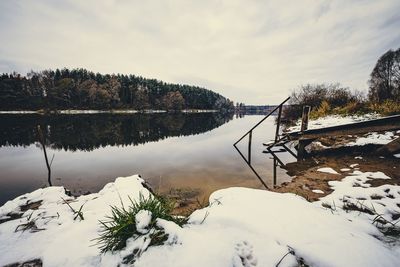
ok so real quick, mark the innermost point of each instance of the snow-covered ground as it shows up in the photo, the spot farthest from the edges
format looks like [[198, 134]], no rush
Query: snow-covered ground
[[240, 227], [61, 240]]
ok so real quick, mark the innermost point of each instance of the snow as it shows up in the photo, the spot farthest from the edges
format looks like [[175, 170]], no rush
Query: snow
[[65, 241], [79, 111], [358, 157], [374, 138], [327, 170], [199, 110], [18, 112], [355, 189], [317, 191], [112, 111], [345, 170], [333, 120], [232, 229], [354, 165], [240, 227], [142, 220], [397, 155], [315, 146]]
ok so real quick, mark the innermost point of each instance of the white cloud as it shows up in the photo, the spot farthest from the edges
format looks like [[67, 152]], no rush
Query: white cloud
[[250, 51]]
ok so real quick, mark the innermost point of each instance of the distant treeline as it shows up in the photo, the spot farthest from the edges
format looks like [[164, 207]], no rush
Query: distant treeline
[[254, 109], [83, 89], [88, 132]]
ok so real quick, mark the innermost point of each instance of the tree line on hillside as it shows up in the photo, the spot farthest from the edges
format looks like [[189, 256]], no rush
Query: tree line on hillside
[[83, 89], [383, 93]]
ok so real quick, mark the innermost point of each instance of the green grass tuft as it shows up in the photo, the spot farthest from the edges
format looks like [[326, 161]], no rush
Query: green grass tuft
[[121, 224]]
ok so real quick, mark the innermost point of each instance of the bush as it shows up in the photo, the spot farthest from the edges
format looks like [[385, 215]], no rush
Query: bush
[[323, 110], [122, 224], [387, 107], [352, 108], [324, 99]]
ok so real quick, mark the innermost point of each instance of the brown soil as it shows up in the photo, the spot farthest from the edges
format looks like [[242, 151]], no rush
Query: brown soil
[[189, 197], [307, 178]]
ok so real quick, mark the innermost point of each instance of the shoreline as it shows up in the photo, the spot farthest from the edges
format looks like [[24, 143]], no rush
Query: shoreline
[[112, 111]]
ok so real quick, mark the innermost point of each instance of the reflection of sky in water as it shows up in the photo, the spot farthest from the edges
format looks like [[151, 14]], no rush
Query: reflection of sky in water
[[205, 161]]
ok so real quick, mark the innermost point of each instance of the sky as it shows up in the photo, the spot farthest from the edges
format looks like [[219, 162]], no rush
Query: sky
[[256, 52]]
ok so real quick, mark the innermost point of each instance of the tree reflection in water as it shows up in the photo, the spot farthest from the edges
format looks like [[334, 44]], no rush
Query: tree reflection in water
[[90, 131]]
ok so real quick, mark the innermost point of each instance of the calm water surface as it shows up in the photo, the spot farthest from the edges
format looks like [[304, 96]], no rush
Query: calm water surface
[[171, 151]]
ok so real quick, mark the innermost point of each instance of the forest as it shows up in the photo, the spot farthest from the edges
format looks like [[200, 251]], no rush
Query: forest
[[82, 89]]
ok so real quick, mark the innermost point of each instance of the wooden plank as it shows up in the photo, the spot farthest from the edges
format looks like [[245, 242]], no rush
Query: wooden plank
[[383, 124], [391, 148]]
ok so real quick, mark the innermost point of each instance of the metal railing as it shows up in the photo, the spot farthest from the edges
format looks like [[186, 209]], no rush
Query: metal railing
[[250, 134]]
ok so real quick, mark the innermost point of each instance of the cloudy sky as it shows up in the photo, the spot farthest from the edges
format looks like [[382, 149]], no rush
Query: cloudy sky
[[250, 51]]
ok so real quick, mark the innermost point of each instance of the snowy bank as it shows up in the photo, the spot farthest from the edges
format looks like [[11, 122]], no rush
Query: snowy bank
[[240, 227], [248, 227], [58, 239], [333, 120]]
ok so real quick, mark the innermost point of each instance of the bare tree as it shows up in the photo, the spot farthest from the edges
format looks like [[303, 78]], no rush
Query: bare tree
[[385, 78]]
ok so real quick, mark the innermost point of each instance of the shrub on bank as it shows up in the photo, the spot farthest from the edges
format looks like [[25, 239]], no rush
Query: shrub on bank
[[334, 99], [387, 107], [351, 108], [323, 99], [323, 110]]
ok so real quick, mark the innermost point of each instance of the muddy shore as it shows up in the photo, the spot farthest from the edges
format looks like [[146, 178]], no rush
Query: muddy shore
[[307, 181]]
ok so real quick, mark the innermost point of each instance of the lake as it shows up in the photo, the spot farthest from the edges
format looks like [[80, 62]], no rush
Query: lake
[[185, 151]]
